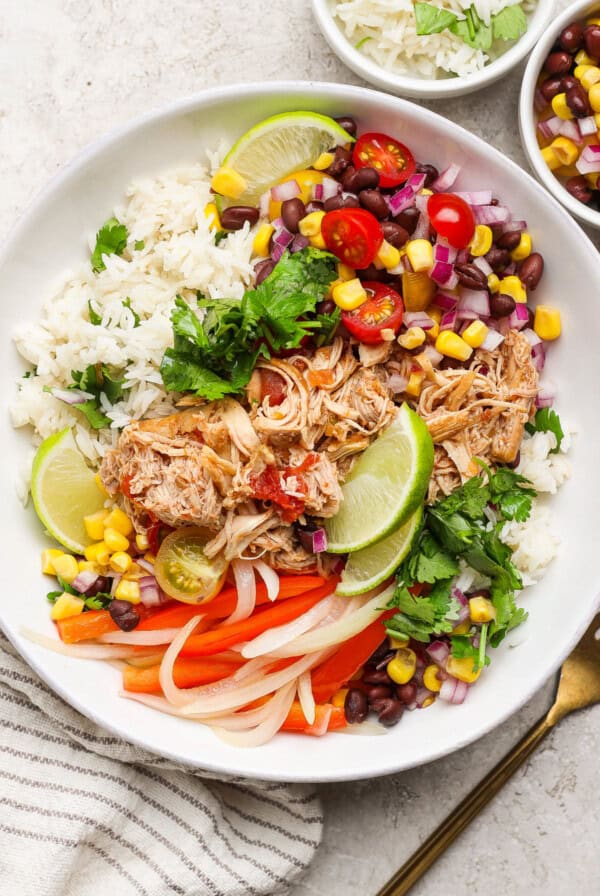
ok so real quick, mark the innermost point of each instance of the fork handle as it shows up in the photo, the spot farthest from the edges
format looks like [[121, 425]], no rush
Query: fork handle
[[473, 803]]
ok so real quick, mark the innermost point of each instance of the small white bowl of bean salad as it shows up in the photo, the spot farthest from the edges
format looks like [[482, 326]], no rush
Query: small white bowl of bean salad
[[559, 111], [432, 50]]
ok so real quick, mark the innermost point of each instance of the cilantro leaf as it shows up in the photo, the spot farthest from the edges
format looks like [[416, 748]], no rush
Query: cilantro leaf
[[547, 420], [509, 24], [111, 239], [98, 601], [328, 324], [469, 500], [428, 562], [136, 318], [431, 19], [95, 318], [181, 374], [479, 38], [96, 379], [139, 245], [65, 586], [511, 495], [422, 617], [462, 646], [53, 596], [364, 40]]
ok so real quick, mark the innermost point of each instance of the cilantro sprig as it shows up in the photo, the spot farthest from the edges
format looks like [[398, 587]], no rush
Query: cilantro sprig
[[547, 420], [111, 239], [97, 379], [509, 24]]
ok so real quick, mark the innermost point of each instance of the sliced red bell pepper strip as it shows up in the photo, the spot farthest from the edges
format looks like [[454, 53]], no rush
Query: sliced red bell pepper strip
[[296, 720], [188, 673]]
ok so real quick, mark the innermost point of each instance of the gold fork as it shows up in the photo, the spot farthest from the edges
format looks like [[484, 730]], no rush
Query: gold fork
[[579, 686]]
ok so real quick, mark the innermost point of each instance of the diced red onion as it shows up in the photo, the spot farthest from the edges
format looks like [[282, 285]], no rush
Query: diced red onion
[[587, 126], [446, 179], [315, 541], [400, 200], [448, 321], [397, 383], [539, 100], [475, 301], [145, 564], [492, 340], [476, 197], [277, 252], [278, 224], [418, 319], [589, 160], [318, 192], [445, 301], [438, 651], [441, 272], [481, 263], [150, 594], [570, 130], [416, 182], [115, 583], [434, 356], [531, 336], [299, 242], [263, 205], [421, 696], [538, 356], [550, 127], [71, 396], [331, 188], [544, 399], [421, 202], [453, 690], [443, 251], [289, 189], [84, 580], [519, 318], [283, 238], [491, 214], [511, 225], [463, 314]]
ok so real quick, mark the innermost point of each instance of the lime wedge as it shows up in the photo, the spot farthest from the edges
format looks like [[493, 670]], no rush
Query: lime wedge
[[64, 490], [386, 485], [373, 565], [278, 146]]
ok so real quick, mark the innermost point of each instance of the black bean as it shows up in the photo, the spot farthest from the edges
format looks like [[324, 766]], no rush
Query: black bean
[[558, 63], [448, 363], [568, 81], [394, 234], [386, 658], [372, 273], [408, 219], [292, 212], [498, 259], [340, 201], [378, 692], [376, 676], [389, 712], [407, 692], [382, 651], [262, 270], [327, 306], [362, 179], [430, 171], [591, 40], [578, 102], [571, 37], [124, 614], [579, 188], [471, 277], [501, 305], [374, 202], [342, 160], [348, 124], [356, 707], [234, 217], [314, 206], [551, 87], [531, 270], [101, 586], [509, 240]]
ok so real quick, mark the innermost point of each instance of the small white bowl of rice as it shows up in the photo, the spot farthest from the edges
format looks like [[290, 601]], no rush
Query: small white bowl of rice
[[378, 40]]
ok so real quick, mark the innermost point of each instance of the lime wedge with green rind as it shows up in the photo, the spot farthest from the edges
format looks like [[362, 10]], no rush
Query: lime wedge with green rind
[[385, 487], [278, 146], [64, 490], [373, 565]]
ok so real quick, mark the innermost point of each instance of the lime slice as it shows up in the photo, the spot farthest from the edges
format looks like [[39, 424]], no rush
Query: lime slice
[[278, 146], [386, 485], [373, 565], [64, 490]]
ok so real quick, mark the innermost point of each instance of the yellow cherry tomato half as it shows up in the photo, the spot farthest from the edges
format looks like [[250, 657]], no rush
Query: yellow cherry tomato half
[[183, 570]]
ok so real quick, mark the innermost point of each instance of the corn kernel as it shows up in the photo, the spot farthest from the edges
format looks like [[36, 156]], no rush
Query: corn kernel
[[453, 346], [228, 183], [426, 192], [349, 295], [66, 605], [118, 520], [428, 701], [100, 484], [550, 158], [339, 698], [114, 540], [402, 668], [475, 333], [523, 249], [94, 524], [594, 97], [420, 254], [48, 556], [560, 106], [592, 180], [149, 557], [512, 286], [433, 332], [590, 77], [211, 213], [262, 240], [415, 384], [317, 241], [417, 290], [462, 629], [397, 643], [582, 58], [345, 272], [120, 562], [128, 590], [493, 282], [97, 553], [593, 20], [135, 571], [565, 150], [546, 322], [435, 313], [66, 567], [413, 338], [580, 70], [463, 669], [388, 256], [481, 609], [324, 161], [430, 678], [482, 240], [310, 225], [141, 542], [88, 566]]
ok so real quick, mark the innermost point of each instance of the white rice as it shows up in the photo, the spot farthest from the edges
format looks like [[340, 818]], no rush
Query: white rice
[[388, 30], [179, 257]]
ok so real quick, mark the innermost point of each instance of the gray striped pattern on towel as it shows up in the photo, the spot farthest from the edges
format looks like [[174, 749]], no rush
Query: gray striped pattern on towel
[[85, 813]]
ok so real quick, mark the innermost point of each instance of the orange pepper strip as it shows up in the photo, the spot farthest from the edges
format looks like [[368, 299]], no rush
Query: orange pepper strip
[[345, 662], [296, 720], [188, 673], [85, 626], [219, 639]]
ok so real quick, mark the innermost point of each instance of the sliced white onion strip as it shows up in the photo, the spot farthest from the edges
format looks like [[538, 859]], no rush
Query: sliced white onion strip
[[306, 697], [336, 632], [279, 707], [245, 583], [83, 651], [252, 668], [153, 659], [281, 635], [141, 639], [320, 729], [176, 696], [269, 577]]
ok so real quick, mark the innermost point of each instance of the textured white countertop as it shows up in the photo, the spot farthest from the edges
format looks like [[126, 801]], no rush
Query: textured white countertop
[[70, 70]]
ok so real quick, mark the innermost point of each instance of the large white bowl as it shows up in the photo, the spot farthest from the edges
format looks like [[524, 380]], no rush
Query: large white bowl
[[52, 236], [427, 88]]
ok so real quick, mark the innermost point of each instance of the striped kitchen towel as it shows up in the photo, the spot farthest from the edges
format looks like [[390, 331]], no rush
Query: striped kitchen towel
[[87, 814]]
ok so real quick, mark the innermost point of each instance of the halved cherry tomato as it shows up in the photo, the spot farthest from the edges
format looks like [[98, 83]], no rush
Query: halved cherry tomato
[[273, 385], [391, 159], [452, 218], [183, 570], [383, 310], [354, 235]]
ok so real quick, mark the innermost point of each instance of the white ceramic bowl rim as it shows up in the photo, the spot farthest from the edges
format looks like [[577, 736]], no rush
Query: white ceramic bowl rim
[[431, 89], [244, 762], [527, 115]]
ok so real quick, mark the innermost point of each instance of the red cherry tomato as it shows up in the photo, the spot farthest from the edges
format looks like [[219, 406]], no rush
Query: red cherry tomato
[[452, 218], [273, 385], [354, 235], [391, 159], [383, 310]]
